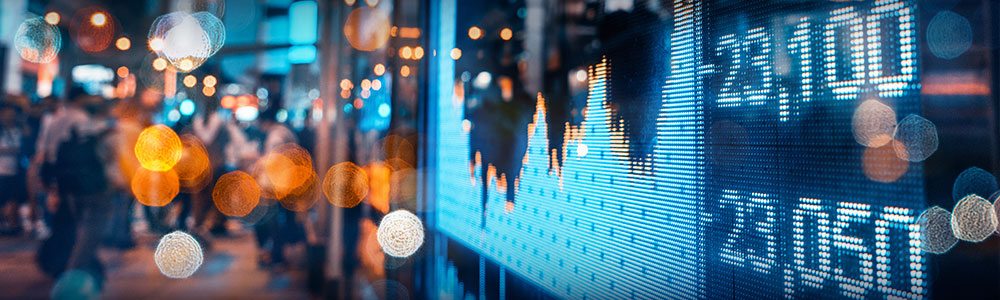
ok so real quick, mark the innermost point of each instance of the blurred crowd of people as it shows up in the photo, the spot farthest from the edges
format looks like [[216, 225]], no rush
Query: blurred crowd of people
[[66, 167]]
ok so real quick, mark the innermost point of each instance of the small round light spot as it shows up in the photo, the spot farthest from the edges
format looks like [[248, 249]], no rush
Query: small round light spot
[[506, 34], [123, 43], [209, 81], [98, 19], [475, 33], [52, 18], [190, 81]]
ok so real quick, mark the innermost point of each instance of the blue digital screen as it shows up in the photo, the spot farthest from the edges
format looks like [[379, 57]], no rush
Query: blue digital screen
[[742, 177]]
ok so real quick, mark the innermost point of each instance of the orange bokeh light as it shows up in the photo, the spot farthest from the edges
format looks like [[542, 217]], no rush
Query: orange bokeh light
[[345, 184], [123, 43], [155, 188], [379, 70], [881, 164], [394, 146], [286, 174], [236, 194], [158, 148], [194, 169], [208, 91], [456, 53], [405, 71], [209, 80], [190, 81], [367, 28], [92, 29], [418, 52], [228, 101], [506, 34], [52, 18], [405, 52], [159, 64], [475, 33], [122, 71]]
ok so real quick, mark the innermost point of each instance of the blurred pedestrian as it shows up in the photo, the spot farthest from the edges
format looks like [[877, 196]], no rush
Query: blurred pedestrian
[[12, 183]]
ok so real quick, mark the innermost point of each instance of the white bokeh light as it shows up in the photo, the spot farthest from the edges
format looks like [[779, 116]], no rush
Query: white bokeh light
[[400, 233], [178, 255]]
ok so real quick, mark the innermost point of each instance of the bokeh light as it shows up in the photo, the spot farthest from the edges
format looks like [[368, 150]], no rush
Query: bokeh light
[[456, 53], [159, 64], [190, 81], [400, 233], [37, 41], [178, 255], [123, 43], [973, 219], [158, 148], [345, 184], [367, 28], [209, 80], [405, 52], [236, 194], [52, 18], [918, 138], [949, 35], [98, 19], [506, 34], [973, 181], [873, 123], [122, 71], [208, 91], [881, 164], [379, 70], [155, 188], [475, 33], [395, 146], [75, 285], [187, 39], [404, 71], [156, 44], [194, 169], [935, 230], [418, 52], [92, 29], [286, 174]]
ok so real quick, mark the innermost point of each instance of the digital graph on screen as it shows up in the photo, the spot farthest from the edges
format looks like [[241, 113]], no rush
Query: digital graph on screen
[[755, 186]]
